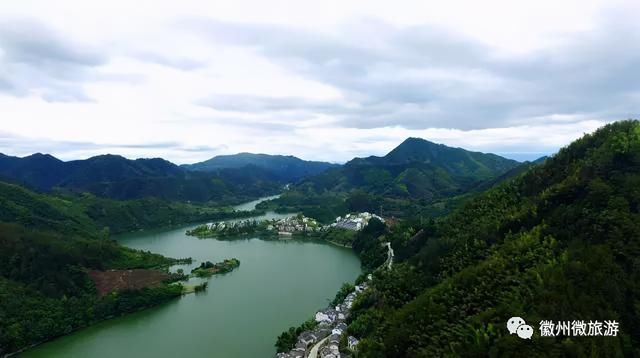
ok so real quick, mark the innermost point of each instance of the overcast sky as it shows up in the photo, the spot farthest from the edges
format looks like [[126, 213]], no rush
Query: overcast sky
[[323, 80]]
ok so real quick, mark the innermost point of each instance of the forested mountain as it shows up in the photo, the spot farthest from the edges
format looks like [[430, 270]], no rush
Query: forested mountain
[[416, 177], [456, 161], [511, 173], [115, 177], [88, 215], [559, 242], [287, 168], [416, 169]]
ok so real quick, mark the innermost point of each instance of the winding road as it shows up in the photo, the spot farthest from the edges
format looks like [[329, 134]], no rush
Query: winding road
[[313, 353], [389, 255]]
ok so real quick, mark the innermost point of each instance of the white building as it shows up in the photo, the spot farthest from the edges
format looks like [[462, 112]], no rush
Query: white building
[[322, 317]]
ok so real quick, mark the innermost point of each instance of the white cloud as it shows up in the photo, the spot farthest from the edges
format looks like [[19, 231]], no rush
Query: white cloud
[[322, 80]]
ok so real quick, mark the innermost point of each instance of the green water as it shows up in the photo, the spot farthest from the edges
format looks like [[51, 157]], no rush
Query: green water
[[278, 284]]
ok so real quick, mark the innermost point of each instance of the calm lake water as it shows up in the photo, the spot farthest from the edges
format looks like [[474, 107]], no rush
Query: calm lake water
[[278, 284]]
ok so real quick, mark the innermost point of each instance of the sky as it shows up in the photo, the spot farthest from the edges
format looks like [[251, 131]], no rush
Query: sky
[[324, 80]]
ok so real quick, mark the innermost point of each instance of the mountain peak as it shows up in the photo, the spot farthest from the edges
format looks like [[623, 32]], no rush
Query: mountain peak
[[39, 155], [107, 157], [417, 140], [455, 161], [285, 167]]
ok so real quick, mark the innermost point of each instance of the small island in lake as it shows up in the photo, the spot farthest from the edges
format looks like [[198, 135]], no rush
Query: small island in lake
[[208, 268]]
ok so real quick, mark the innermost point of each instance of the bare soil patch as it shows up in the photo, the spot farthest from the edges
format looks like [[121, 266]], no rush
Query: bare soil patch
[[108, 281]]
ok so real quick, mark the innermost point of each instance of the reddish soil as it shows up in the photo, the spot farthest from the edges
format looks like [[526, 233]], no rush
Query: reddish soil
[[108, 281]]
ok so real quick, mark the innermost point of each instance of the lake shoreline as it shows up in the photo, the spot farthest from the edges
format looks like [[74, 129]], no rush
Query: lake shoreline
[[159, 228], [78, 329], [159, 234]]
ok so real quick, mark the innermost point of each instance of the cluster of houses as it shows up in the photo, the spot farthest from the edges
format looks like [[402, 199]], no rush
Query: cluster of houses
[[221, 226], [355, 222], [224, 228], [294, 224], [284, 227], [327, 334]]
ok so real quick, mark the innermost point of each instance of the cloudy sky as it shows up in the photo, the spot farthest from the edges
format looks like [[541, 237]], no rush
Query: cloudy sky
[[323, 80]]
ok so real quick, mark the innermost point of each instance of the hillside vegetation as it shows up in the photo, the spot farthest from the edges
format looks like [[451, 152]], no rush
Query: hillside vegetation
[[45, 290], [416, 169], [416, 177], [49, 244], [559, 242], [92, 216], [115, 177]]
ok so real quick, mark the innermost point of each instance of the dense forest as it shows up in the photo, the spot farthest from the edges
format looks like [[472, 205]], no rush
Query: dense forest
[[559, 242], [83, 213], [45, 290], [418, 177], [415, 169]]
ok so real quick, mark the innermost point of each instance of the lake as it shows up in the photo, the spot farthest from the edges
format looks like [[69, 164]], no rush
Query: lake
[[279, 284]]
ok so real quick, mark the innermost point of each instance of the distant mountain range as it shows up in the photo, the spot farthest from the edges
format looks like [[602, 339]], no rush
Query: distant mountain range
[[116, 177], [417, 169], [287, 168]]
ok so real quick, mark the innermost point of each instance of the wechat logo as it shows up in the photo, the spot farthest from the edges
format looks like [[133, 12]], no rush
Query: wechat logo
[[517, 325]]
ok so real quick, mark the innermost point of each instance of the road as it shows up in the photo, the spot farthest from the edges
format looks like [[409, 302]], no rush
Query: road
[[389, 255], [313, 353]]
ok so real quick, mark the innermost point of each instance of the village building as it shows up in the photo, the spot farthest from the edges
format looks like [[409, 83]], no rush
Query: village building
[[352, 342]]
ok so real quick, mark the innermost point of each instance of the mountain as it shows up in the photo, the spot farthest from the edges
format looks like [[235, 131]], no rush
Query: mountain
[[558, 242], [416, 169], [41, 170], [287, 168], [116, 177], [456, 161], [82, 214], [417, 176], [40, 211]]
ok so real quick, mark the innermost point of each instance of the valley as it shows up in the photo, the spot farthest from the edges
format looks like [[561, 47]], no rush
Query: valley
[[319, 179], [454, 243]]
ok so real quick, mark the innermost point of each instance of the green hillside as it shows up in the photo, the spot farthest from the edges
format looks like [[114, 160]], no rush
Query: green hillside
[[45, 290], [115, 177], [560, 242], [409, 180], [416, 169], [47, 246], [92, 216]]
